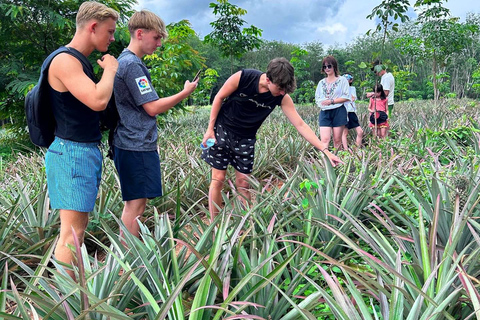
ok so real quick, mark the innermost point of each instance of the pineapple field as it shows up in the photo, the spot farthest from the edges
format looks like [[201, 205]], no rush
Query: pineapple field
[[393, 233]]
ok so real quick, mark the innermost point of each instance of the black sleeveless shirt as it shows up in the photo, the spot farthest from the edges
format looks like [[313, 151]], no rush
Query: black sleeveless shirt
[[74, 120], [245, 110]]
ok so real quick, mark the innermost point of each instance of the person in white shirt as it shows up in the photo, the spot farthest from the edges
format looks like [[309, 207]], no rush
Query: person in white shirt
[[331, 94], [388, 82], [353, 122]]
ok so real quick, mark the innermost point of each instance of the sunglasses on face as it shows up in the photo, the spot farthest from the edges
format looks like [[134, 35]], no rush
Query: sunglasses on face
[[329, 66]]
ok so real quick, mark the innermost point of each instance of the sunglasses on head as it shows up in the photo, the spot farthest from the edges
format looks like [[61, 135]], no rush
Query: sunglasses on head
[[328, 66]]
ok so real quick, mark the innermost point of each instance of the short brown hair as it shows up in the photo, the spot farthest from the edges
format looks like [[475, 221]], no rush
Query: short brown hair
[[281, 72], [147, 20], [330, 60], [93, 10]]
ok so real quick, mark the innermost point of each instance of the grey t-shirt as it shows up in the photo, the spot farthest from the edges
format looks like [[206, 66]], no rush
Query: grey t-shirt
[[136, 130]]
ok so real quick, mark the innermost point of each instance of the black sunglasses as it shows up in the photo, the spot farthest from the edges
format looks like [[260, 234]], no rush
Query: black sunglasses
[[327, 67]]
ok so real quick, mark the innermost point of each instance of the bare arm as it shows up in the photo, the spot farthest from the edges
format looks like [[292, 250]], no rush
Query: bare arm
[[66, 75], [336, 100], [225, 91], [164, 104], [304, 129], [371, 106]]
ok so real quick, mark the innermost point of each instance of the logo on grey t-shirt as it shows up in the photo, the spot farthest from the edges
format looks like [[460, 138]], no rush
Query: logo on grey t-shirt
[[143, 85]]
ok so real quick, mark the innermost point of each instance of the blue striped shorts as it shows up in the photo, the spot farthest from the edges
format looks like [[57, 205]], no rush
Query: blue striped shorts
[[73, 174]]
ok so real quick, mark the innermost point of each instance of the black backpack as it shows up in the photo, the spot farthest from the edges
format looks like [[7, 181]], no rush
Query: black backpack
[[38, 108], [39, 112]]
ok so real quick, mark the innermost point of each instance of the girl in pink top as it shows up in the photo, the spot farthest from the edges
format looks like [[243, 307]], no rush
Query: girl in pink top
[[378, 104]]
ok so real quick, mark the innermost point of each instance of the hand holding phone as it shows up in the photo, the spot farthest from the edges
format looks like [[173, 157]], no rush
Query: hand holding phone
[[197, 75]]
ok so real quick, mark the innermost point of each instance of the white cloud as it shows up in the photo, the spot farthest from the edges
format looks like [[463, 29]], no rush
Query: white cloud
[[333, 29], [298, 21]]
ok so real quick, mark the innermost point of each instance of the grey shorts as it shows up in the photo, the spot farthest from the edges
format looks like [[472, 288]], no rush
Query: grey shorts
[[230, 150], [73, 174]]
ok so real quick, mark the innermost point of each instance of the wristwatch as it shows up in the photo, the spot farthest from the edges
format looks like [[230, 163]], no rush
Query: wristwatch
[[331, 100]]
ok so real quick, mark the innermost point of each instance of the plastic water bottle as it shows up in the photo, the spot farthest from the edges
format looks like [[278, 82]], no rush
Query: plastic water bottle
[[210, 142]]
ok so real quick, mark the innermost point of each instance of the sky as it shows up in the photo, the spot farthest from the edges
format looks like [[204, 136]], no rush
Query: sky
[[331, 22]]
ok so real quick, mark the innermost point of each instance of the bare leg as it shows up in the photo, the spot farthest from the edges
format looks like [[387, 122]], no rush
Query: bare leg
[[79, 222], [325, 133], [133, 210], [215, 192], [359, 139], [383, 132], [345, 139], [243, 187], [337, 136]]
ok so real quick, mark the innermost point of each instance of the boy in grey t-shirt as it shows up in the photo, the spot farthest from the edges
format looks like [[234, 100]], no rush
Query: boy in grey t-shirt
[[135, 140]]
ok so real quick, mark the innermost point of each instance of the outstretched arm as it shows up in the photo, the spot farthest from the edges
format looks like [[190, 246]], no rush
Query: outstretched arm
[[164, 104], [304, 129]]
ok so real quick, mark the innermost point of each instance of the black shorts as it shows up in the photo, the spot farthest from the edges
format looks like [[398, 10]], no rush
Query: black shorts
[[139, 173], [333, 118], [230, 150], [352, 120]]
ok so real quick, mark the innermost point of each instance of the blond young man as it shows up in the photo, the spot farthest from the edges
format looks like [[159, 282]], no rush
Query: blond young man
[[73, 161], [135, 140]]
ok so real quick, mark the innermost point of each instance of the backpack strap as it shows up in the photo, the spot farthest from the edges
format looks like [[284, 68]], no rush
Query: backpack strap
[[38, 110]]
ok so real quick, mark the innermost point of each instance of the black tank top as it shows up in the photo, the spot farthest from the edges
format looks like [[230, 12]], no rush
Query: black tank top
[[245, 110], [74, 120]]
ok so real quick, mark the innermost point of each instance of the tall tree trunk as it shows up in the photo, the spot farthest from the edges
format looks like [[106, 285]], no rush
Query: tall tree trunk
[[434, 80]]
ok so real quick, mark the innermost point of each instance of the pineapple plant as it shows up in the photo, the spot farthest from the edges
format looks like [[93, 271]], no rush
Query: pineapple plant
[[460, 185]]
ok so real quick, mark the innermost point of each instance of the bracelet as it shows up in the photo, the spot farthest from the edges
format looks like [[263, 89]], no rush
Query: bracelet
[[323, 150]]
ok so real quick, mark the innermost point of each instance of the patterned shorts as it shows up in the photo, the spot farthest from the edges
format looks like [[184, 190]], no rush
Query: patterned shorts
[[230, 150], [73, 174]]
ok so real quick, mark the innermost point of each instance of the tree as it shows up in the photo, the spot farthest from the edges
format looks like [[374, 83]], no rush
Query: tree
[[442, 36], [389, 11], [176, 60], [228, 35], [305, 92]]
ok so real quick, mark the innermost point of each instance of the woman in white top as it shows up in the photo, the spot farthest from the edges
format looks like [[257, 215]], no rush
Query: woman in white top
[[332, 92]]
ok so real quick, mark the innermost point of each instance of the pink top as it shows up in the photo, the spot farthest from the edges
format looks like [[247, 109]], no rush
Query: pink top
[[381, 106]]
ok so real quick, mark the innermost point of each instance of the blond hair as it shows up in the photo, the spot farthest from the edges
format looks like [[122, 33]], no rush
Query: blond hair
[[93, 10], [147, 20]]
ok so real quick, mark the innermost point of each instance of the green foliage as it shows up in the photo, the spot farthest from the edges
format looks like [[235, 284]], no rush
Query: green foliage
[[176, 61], [208, 80], [228, 35], [29, 31], [403, 80], [389, 9], [305, 92]]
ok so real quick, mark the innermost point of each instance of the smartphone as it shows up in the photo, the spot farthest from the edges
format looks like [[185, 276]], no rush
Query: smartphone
[[197, 75]]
